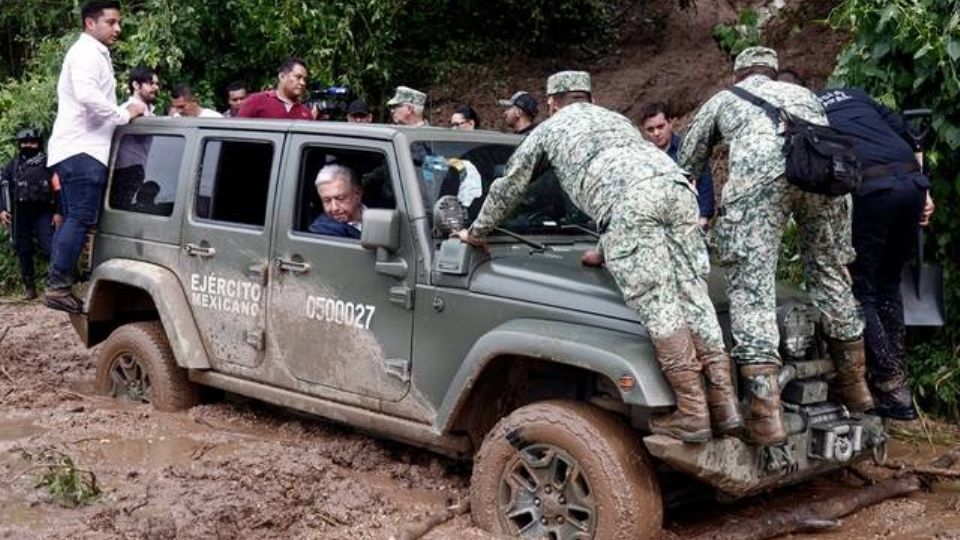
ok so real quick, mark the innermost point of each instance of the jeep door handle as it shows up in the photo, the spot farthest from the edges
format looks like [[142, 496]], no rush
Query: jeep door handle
[[194, 250], [296, 267]]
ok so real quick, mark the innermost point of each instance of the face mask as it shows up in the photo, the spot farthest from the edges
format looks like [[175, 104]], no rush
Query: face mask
[[28, 153]]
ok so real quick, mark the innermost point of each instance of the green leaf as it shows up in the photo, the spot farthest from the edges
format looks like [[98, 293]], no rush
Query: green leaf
[[953, 49], [880, 49], [923, 51], [887, 14]]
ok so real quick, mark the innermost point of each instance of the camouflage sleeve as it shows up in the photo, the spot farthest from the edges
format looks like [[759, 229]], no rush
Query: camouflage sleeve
[[699, 140], [812, 111], [507, 192]]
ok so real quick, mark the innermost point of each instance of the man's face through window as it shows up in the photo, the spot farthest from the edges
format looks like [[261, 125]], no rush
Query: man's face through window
[[658, 130], [147, 90], [341, 200]]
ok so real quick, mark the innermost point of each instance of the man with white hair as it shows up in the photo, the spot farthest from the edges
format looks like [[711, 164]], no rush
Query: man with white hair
[[341, 195]]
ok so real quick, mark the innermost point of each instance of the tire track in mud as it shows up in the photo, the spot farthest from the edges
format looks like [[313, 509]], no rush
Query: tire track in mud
[[227, 469]]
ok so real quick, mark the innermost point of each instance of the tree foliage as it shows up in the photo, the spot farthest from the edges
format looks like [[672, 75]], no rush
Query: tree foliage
[[907, 54]]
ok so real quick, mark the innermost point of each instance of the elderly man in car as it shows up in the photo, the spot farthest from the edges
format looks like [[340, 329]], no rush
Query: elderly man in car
[[341, 194]]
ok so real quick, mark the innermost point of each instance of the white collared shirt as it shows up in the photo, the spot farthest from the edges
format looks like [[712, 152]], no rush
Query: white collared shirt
[[87, 111]]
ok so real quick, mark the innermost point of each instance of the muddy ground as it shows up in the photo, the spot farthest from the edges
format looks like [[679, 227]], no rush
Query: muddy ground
[[234, 469]]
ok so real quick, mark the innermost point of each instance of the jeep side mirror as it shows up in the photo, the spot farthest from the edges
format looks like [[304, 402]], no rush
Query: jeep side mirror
[[381, 229], [381, 232]]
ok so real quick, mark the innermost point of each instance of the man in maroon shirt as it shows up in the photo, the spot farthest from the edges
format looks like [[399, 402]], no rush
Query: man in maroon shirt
[[284, 101]]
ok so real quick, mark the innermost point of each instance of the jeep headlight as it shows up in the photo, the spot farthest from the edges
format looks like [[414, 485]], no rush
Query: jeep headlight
[[797, 329]]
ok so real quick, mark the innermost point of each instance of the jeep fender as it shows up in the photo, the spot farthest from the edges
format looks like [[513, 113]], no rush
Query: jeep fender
[[606, 352], [164, 288]]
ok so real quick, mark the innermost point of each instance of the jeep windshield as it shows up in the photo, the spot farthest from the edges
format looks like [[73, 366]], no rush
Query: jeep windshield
[[465, 169]]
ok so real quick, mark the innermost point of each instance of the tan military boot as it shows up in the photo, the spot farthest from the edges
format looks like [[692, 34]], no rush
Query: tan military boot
[[721, 397], [764, 422], [690, 422], [850, 385]]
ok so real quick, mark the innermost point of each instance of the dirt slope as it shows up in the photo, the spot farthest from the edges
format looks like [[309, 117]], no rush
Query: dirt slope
[[667, 54]]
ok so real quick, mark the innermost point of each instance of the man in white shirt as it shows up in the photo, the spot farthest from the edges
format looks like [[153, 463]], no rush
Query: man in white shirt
[[185, 104], [79, 147]]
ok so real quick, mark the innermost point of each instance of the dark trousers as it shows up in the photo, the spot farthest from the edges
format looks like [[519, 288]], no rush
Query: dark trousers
[[885, 237], [82, 181], [32, 233]]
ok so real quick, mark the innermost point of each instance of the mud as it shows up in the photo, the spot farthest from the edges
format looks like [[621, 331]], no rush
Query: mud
[[237, 469]]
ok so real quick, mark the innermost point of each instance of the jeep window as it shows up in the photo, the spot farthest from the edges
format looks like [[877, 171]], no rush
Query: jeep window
[[146, 173], [371, 171], [234, 181], [466, 169]]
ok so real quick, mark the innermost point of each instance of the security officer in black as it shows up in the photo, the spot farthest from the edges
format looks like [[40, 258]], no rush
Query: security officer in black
[[887, 208], [28, 205]]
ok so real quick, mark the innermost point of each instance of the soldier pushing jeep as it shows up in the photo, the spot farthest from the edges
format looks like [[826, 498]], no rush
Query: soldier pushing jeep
[[648, 218], [756, 202]]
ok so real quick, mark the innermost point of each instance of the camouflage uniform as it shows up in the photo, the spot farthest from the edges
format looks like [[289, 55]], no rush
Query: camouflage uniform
[[756, 203], [642, 201]]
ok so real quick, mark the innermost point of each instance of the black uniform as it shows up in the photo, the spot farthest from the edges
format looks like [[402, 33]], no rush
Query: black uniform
[[886, 212], [28, 181]]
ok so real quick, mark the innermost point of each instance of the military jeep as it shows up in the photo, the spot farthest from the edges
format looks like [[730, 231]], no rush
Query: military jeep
[[204, 273]]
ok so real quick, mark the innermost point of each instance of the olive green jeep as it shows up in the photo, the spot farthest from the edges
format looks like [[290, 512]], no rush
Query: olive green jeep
[[204, 272]]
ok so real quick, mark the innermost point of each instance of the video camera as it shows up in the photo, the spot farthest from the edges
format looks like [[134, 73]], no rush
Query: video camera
[[330, 101]]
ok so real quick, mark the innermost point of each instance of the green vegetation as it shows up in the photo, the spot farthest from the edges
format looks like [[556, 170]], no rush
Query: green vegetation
[[907, 53], [69, 485], [734, 38]]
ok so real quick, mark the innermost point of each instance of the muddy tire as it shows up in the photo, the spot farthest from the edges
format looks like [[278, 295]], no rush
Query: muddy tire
[[563, 469], [136, 364]]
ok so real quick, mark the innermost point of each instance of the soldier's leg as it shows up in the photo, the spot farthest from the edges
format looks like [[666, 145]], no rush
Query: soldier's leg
[[43, 232], [691, 268], [825, 254], [639, 260], [887, 374], [23, 247], [748, 241]]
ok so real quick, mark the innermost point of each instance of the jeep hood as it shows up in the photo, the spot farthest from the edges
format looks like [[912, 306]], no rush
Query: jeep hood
[[556, 278]]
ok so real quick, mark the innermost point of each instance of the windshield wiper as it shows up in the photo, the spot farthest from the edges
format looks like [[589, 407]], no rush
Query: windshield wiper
[[532, 243], [580, 228]]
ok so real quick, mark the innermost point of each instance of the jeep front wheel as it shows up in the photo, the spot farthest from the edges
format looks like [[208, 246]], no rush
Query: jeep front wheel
[[136, 364], [564, 470]]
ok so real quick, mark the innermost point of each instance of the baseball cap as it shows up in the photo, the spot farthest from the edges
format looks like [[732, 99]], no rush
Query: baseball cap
[[28, 134], [523, 101], [405, 94], [358, 106], [756, 56], [569, 81]]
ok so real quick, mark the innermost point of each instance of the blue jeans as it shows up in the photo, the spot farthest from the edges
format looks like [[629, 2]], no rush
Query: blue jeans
[[82, 181]]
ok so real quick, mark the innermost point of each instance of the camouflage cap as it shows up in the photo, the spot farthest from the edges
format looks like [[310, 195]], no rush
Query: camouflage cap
[[756, 56], [405, 94], [568, 81]]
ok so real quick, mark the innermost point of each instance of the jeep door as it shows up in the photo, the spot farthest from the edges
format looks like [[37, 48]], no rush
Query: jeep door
[[338, 327], [226, 243]]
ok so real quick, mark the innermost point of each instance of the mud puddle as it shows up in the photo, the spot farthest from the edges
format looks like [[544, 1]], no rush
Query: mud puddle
[[235, 469]]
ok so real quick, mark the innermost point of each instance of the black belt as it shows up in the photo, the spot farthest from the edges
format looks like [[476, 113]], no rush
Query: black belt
[[890, 169]]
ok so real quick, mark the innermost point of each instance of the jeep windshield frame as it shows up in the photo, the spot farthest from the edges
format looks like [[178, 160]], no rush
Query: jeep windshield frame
[[465, 164]]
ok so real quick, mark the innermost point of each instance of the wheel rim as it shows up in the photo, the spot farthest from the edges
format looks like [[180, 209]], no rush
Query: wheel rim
[[129, 379], [544, 493]]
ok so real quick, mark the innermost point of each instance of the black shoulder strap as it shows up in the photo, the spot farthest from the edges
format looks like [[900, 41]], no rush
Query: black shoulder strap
[[772, 110]]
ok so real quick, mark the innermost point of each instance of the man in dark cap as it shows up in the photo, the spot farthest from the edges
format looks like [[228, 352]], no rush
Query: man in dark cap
[[521, 110], [27, 205], [358, 112]]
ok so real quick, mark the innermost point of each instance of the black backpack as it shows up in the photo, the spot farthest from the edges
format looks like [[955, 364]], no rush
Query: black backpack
[[819, 158]]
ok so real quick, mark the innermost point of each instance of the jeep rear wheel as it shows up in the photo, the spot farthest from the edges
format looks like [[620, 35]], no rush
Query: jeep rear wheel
[[136, 364], [564, 470]]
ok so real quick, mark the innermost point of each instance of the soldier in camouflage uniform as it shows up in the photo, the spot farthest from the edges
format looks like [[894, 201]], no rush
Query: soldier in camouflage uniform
[[647, 213], [756, 203], [406, 107]]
